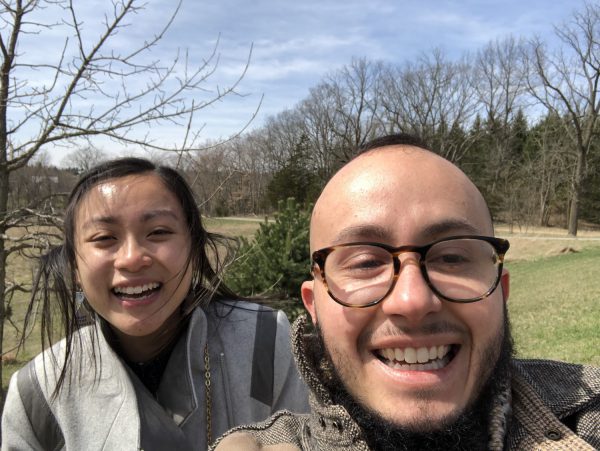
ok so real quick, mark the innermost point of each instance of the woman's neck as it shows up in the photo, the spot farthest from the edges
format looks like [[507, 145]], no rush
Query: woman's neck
[[140, 349]]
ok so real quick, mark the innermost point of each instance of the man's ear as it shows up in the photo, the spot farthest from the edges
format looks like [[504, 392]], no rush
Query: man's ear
[[505, 284], [308, 297]]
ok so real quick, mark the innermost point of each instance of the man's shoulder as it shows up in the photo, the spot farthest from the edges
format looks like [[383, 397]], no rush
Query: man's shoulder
[[282, 431], [564, 387]]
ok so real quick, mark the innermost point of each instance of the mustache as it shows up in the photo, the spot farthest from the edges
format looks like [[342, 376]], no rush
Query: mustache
[[402, 330]]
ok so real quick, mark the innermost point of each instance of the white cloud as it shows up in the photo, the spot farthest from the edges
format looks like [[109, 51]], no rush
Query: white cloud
[[295, 43]]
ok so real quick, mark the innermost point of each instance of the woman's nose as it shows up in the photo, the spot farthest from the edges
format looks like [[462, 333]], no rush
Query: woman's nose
[[132, 256]]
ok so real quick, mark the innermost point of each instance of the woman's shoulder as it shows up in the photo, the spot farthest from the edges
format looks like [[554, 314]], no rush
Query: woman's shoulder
[[51, 360], [240, 309]]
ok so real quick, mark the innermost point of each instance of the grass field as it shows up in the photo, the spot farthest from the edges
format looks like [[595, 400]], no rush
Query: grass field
[[554, 301], [554, 306], [233, 226]]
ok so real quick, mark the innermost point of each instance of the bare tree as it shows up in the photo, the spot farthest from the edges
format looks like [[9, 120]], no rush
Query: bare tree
[[499, 85], [499, 80], [551, 166], [353, 90], [84, 158], [566, 82], [134, 92], [431, 98]]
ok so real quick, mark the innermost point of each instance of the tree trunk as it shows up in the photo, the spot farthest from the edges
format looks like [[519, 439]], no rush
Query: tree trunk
[[4, 179], [575, 193]]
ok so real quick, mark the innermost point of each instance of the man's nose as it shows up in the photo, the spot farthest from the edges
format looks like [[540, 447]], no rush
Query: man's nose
[[132, 256], [411, 296]]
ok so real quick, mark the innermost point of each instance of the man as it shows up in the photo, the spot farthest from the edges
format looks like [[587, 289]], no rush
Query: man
[[412, 348]]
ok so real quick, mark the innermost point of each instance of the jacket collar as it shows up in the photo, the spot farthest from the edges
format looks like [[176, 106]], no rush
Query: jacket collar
[[176, 392], [327, 417], [569, 388]]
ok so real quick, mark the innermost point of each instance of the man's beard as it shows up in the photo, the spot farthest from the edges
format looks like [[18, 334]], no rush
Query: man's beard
[[467, 431]]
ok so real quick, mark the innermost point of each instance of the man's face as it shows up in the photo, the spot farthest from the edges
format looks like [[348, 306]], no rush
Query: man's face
[[406, 197]]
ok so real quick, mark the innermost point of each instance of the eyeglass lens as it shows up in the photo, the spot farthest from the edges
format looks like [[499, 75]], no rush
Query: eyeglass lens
[[460, 269]]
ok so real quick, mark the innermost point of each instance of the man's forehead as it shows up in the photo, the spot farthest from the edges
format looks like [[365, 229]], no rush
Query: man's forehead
[[379, 192]]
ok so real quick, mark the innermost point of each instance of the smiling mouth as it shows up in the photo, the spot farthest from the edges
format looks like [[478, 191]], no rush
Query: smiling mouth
[[417, 359], [137, 292]]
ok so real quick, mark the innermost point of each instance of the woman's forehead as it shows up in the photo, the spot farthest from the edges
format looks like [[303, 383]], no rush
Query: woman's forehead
[[140, 194]]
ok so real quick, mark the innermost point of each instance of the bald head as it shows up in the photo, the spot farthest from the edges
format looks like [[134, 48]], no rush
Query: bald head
[[398, 194]]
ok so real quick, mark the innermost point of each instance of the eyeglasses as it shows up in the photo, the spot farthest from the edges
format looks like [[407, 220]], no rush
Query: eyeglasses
[[464, 268]]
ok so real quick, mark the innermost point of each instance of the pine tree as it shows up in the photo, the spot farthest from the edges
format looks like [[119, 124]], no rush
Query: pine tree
[[277, 260]]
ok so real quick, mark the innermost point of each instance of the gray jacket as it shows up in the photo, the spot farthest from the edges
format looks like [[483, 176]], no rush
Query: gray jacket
[[555, 406], [252, 375]]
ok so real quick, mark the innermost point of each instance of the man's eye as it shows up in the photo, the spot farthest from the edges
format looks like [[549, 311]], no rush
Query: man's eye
[[454, 258], [363, 264]]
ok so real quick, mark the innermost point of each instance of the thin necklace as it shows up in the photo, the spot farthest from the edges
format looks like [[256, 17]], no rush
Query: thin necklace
[[208, 398]]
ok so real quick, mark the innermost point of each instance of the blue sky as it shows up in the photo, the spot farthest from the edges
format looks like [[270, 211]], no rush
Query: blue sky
[[296, 43]]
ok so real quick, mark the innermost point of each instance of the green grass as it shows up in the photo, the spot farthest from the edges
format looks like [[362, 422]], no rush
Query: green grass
[[554, 307]]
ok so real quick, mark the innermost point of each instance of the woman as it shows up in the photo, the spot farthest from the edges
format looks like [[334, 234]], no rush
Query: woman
[[173, 358]]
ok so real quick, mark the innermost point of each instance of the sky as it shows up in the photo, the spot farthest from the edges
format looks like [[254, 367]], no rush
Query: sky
[[296, 43]]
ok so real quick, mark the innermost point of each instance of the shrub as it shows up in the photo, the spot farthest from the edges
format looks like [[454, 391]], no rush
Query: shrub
[[277, 260]]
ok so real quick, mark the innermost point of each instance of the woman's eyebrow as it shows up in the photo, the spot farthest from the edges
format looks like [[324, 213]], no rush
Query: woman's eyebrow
[[145, 217], [167, 212]]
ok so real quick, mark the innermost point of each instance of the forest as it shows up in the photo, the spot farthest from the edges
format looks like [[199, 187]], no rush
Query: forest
[[519, 116]]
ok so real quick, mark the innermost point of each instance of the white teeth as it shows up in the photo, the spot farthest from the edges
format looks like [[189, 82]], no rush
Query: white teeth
[[422, 355], [410, 355], [136, 290], [433, 354], [442, 351], [423, 359], [399, 354]]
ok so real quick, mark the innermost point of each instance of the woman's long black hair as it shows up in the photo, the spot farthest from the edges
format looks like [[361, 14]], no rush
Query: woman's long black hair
[[54, 293]]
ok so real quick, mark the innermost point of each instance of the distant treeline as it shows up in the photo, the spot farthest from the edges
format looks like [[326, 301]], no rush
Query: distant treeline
[[518, 116]]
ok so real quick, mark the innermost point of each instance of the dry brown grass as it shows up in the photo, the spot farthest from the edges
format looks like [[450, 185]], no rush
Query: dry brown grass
[[234, 227], [534, 243]]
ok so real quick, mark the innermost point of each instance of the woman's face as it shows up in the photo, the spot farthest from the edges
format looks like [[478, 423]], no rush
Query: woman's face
[[132, 247]]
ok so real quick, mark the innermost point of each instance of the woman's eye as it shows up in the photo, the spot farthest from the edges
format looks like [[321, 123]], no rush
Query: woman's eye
[[159, 232], [101, 238]]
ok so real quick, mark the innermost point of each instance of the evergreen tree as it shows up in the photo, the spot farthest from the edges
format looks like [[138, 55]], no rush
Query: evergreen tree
[[277, 260], [294, 179]]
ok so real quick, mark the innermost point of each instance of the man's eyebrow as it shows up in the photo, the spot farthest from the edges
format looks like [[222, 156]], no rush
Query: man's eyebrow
[[373, 232], [455, 226], [362, 232]]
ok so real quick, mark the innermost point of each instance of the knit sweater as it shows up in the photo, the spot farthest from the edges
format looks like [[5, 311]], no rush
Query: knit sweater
[[548, 406]]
